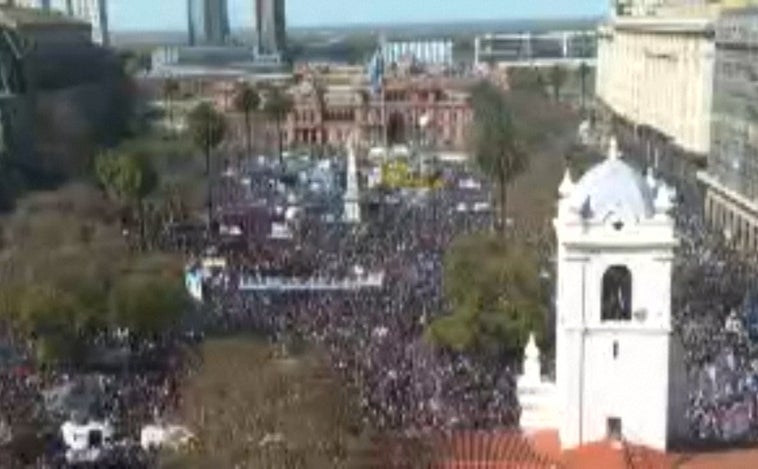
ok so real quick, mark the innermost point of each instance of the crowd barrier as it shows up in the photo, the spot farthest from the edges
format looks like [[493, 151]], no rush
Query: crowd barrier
[[254, 283]]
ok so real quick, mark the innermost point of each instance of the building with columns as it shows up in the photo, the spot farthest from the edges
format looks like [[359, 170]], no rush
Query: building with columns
[[619, 370], [330, 105], [731, 179], [678, 76], [327, 115], [327, 112], [656, 73]]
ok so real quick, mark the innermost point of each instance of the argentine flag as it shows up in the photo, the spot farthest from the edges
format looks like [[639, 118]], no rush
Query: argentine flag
[[376, 71]]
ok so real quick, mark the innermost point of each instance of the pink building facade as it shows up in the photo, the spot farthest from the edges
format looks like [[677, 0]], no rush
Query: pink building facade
[[328, 115]]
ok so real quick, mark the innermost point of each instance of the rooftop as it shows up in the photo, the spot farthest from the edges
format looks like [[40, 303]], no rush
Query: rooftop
[[501, 450], [613, 187]]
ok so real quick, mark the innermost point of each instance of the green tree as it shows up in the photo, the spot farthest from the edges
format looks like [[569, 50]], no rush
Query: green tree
[[62, 258], [171, 90], [207, 128], [526, 80], [247, 100], [277, 107], [496, 296], [52, 318], [128, 179], [148, 304], [498, 144], [557, 80]]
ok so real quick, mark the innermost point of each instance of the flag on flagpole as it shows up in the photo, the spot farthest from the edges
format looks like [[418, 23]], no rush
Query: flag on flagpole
[[376, 71]]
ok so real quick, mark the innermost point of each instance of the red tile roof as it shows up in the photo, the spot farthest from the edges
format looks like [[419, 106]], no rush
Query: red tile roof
[[541, 450], [490, 450], [614, 454], [512, 450]]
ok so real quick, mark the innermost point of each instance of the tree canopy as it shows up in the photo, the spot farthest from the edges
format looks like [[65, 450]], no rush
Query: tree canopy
[[558, 76], [494, 289], [277, 107], [247, 100], [147, 303], [67, 271], [498, 144], [207, 126], [526, 80], [125, 177]]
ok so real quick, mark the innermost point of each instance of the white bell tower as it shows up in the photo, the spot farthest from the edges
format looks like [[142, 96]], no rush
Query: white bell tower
[[614, 360]]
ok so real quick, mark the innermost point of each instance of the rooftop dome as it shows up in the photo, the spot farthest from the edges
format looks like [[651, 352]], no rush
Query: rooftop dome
[[613, 187]]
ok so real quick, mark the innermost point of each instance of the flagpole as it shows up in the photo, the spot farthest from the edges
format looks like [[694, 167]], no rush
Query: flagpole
[[385, 130], [382, 83]]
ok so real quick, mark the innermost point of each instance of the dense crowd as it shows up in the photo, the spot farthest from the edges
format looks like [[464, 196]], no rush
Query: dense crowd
[[374, 337], [124, 385], [714, 310], [713, 313]]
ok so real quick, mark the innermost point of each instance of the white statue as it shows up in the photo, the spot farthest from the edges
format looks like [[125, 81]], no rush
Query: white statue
[[532, 371]]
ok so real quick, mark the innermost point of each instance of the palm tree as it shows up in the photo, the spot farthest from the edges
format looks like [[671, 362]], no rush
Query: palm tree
[[207, 128], [499, 145], [128, 179], [170, 91], [584, 71], [277, 106], [247, 100], [557, 80]]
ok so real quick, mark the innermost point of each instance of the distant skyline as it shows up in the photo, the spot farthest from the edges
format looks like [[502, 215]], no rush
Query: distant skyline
[[155, 15]]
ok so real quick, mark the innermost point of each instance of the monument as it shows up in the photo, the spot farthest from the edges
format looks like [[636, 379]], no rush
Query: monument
[[351, 198]]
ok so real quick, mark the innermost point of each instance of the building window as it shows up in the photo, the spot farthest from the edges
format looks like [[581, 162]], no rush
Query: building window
[[616, 299], [614, 431], [615, 349]]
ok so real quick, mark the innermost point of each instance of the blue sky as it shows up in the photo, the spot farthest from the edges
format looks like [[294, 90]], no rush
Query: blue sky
[[171, 14]]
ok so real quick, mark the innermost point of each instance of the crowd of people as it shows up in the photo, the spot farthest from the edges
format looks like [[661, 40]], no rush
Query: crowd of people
[[713, 310], [122, 385], [374, 337], [712, 315]]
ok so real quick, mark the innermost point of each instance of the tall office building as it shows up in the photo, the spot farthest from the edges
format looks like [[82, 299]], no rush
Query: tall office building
[[271, 27], [208, 22], [94, 12]]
